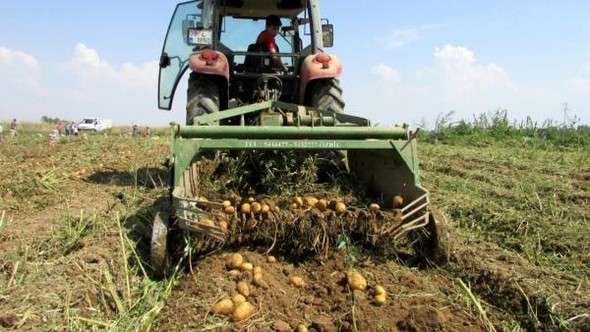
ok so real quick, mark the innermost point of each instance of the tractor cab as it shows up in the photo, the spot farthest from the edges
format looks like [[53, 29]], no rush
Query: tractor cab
[[217, 39]]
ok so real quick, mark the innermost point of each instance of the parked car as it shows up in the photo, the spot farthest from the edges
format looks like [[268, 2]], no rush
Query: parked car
[[95, 125]]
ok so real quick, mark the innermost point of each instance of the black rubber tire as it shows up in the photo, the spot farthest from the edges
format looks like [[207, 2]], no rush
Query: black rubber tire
[[202, 97], [327, 96]]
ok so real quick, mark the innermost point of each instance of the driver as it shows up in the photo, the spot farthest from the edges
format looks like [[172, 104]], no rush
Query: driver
[[267, 39]]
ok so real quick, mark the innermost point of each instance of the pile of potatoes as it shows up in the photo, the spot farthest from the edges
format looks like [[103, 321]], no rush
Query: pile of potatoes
[[238, 306], [240, 309], [356, 281], [252, 206]]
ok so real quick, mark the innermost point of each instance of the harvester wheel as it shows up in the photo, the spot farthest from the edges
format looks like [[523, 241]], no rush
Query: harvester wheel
[[438, 250], [202, 97], [159, 257], [327, 96]]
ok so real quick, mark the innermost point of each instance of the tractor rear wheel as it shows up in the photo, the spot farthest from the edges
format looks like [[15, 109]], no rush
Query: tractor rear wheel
[[202, 97], [327, 96]]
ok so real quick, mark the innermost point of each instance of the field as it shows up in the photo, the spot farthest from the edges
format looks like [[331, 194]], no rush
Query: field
[[73, 253]]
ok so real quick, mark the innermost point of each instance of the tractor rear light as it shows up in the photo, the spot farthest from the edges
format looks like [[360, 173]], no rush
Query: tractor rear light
[[209, 56], [324, 59]]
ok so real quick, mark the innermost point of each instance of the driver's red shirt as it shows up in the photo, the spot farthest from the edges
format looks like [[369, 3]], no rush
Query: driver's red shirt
[[268, 39]]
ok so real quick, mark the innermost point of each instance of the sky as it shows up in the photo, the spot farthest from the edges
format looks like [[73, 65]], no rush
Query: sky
[[404, 61]]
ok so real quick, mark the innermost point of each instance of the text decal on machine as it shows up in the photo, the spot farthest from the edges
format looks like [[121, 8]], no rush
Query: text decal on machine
[[292, 144]]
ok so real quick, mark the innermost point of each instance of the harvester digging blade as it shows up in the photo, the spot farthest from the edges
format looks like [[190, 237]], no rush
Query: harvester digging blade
[[159, 257]]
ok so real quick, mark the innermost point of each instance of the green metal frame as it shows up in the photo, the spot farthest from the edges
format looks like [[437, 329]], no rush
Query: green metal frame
[[347, 133]]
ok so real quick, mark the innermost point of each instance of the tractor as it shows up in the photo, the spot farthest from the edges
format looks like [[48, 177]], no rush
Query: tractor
[[240, 99], [208, 37]]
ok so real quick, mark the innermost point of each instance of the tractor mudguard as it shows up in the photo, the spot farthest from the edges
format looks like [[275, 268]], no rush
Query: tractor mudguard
[[312, 69], [210, 62]]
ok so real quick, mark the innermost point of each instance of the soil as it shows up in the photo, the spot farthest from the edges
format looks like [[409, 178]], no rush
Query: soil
[[326, 302]]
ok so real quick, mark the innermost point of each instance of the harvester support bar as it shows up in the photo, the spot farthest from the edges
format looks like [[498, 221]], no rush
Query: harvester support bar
[[255, 132], [214, 117]]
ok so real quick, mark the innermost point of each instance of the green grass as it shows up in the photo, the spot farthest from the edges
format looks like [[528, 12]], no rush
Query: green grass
[[495, 128]]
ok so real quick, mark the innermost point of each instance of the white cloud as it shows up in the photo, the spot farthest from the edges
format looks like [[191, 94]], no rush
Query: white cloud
[[402, 37], [386, 73], [465, 77], [18, 68], [453, 80], [87, 63]]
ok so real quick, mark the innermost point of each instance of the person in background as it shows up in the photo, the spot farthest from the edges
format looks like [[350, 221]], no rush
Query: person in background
[[13, 126], [135, 131], [60, 127]]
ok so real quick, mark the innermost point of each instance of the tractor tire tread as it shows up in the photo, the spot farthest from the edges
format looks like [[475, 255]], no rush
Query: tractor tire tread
[[203, 98], [327, 96]]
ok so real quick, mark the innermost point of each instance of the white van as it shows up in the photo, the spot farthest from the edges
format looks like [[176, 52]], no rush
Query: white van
[[95, 124]]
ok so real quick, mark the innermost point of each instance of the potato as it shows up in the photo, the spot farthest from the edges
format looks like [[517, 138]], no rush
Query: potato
[[246, 208], [251, 199], [223, 225], [234, 273], [223, 307], [398, 201], [226, 203], [257, 270], [243, 311], [293, 206], [340, 207], [311, 201], [207, 221], [271, 259], [298, 282], [243, 288], [380, 299], [301, 328], [265, 208], [256, 207], [374, 207], [276, 209], [379, 290], [229, 210], [238, 299], [298, 201], [322, 205], [259, 281], [246, 266], [356, 280], [235, 261]]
